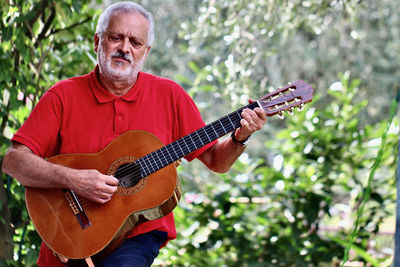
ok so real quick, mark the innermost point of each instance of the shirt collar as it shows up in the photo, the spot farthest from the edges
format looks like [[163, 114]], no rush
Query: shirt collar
[[104, 96]]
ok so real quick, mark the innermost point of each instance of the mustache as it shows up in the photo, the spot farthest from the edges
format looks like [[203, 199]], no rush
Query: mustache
[[119, 54]]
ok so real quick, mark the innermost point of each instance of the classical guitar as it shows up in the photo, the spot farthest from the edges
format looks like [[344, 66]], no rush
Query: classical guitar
[[148, 185]]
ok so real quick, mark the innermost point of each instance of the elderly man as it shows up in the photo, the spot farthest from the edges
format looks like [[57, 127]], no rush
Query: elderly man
[[84, 114]]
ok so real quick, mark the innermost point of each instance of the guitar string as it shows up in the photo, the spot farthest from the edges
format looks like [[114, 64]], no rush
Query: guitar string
[[126, 171], [156, 165]]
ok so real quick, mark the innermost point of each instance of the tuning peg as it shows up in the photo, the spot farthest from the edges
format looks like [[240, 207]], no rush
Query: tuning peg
[[290, 111], [300, 107], [280, 115]]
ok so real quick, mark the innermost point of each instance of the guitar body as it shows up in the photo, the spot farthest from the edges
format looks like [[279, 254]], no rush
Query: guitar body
[[151, 198]]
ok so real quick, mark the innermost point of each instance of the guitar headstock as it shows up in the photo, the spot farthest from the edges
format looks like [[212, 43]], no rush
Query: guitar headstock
[[287, 98]]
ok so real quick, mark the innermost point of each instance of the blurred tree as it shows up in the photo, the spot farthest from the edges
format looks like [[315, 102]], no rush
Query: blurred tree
[[282, 213], [243, 47], [41, 42]]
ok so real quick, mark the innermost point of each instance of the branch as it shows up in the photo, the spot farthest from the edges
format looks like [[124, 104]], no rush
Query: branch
[[55, 31], [37, 10], [47, 24]]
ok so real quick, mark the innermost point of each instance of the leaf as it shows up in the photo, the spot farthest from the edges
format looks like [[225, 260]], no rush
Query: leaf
[[359, 251], [7, 33]]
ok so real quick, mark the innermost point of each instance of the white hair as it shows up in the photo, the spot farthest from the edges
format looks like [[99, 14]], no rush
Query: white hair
[[104, 18]]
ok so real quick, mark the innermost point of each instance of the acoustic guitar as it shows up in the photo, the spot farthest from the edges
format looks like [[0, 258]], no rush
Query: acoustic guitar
[[148, 187]]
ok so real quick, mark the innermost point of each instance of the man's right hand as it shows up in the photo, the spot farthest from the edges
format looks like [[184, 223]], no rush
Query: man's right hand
[[93, 185]]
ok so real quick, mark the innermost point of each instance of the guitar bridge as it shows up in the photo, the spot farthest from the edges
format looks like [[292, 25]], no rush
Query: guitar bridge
[[77, 209]]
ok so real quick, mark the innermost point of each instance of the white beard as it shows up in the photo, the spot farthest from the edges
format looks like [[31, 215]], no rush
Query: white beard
[[129, 74]]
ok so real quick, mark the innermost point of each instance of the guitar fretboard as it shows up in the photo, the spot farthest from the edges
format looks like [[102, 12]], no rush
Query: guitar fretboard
[[174, 151]]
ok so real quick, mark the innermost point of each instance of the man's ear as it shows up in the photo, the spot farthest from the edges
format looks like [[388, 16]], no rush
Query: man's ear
[[147, 50], [96, 41]]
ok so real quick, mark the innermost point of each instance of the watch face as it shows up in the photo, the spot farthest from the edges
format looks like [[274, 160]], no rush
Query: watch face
[[245, 141]]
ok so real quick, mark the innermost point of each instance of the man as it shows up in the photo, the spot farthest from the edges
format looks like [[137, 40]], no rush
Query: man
[[84, 114]]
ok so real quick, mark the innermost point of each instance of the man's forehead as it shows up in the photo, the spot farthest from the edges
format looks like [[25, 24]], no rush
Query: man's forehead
[[128, 22]]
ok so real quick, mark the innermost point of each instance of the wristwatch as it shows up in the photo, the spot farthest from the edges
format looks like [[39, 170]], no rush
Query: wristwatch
[[240, 143]]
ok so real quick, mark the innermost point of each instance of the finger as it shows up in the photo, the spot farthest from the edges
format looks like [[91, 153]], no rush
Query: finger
[[261, 113], [111, 180], [61, 258], [252, 118], [102, 199], [258, 117], [246, 114]]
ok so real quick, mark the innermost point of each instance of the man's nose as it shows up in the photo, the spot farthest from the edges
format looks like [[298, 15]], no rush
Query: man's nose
[[125, 45]]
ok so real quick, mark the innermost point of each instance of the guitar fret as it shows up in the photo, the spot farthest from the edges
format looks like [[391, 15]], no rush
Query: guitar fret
[[160, 151], [155, 162], [142, 170], [173, 149], [148, 163], [197, 132], [204, 130], [148, 166], [233, 125], [186, 144], [161, 163], [170, 154], [180, 147], [165, 148], [219, 130], [239, 116], [190, 135], [176, 144], [222, 126], [228, 126], [212, 127]]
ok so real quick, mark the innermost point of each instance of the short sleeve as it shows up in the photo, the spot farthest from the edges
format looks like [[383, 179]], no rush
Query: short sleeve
[[40, 130]]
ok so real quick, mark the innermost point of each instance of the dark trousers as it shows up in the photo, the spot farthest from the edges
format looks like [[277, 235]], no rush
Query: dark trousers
[[138, 251]]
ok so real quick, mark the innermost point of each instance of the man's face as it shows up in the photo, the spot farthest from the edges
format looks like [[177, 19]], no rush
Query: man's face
[[122, 49]]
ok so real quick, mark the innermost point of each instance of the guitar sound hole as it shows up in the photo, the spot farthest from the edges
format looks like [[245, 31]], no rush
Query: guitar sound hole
[[128, 175]]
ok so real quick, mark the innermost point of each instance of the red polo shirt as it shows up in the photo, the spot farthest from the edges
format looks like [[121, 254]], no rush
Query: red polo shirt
[[78, 115]]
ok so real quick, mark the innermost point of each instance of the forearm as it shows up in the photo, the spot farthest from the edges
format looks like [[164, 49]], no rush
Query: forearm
[[32, 170], [220, 157]]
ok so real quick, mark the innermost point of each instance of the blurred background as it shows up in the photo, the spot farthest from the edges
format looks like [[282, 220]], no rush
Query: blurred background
[[313, 189]]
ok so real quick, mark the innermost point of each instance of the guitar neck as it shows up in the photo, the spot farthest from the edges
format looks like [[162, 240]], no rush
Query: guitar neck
[[190, 143]]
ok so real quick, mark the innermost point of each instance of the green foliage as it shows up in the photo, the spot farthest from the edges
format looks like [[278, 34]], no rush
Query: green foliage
[[243, 47], [38, 46], [280, 212]]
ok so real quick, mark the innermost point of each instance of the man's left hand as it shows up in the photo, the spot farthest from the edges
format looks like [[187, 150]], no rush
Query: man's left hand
[[252, 120]]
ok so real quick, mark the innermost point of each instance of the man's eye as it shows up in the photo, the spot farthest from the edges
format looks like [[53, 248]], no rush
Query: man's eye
[[135, 43], [115, 38]]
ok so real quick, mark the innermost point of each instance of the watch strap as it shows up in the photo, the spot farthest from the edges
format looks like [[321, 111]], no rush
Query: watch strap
[[240, 143]]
